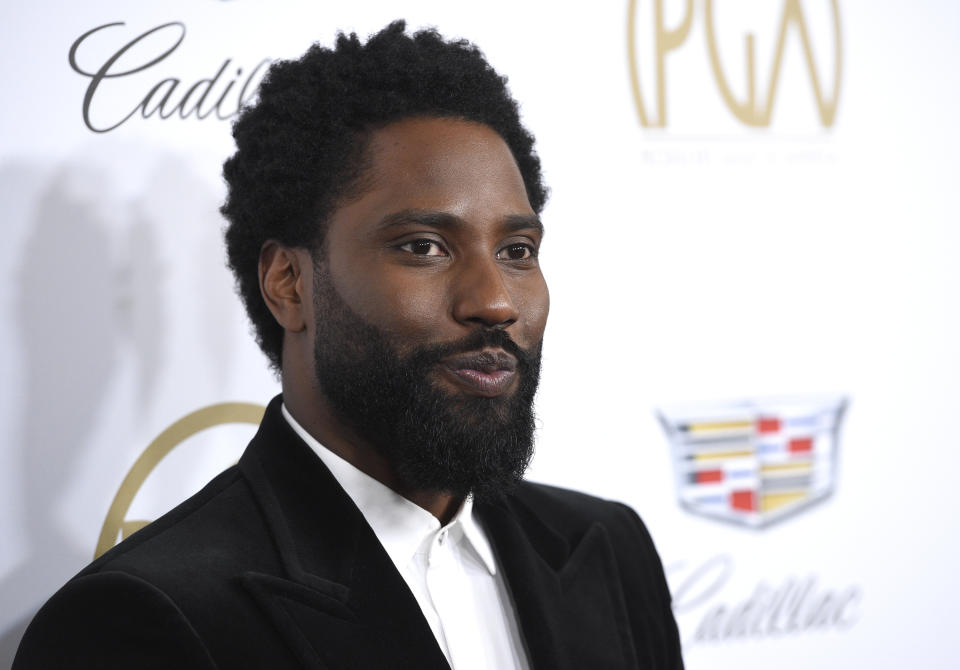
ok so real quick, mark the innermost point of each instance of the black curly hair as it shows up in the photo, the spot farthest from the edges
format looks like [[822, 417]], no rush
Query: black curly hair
[[300, 148]]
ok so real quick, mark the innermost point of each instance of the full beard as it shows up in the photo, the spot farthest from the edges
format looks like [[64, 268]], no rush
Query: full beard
[[435, 440]]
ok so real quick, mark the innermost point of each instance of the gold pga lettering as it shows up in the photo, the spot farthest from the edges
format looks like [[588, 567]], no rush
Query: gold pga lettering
[[754, 108]]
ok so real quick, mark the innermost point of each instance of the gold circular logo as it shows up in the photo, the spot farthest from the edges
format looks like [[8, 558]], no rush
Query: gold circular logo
[[116, 523]]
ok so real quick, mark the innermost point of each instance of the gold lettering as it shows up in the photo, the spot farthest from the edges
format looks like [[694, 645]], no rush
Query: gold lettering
[[793, 13], [668, 40], [665, 40], [749, 111]]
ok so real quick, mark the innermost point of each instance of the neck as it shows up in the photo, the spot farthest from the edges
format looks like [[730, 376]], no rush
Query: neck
[[312, 410]]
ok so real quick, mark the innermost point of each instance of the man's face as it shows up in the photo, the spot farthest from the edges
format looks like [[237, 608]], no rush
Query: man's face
[[430, 307]]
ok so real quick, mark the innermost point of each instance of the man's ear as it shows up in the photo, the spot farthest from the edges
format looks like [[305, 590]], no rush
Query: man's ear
[[284, 281]]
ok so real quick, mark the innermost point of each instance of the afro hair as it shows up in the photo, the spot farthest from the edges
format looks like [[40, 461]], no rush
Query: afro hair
[[300, 147]]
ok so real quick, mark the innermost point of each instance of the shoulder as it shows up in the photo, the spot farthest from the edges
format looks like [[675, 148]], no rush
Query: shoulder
[[572, 515], [565, 509], [636, 569], [110, 619], [156, 599], [220, 520]]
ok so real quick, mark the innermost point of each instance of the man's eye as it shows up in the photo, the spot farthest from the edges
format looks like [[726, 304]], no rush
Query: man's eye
[[424, 248], [516, 252]]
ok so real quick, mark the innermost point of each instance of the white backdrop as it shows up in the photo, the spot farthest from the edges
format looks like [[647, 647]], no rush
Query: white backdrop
[[694, 259]]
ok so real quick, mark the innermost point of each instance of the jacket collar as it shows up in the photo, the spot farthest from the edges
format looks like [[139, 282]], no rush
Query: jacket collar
[[567, 594], [401, 525], [342, 603], [329, 603]]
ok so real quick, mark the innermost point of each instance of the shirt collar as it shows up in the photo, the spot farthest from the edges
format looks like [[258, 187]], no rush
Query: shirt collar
[[475, 535], [399, 524]]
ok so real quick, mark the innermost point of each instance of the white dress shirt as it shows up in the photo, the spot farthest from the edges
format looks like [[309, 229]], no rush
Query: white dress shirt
[[451, 570]]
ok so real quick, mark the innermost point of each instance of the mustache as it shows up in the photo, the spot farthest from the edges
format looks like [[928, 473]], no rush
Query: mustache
[[474, 342]]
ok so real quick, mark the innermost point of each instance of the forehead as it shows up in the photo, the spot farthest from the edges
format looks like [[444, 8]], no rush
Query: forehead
[[451, 165]]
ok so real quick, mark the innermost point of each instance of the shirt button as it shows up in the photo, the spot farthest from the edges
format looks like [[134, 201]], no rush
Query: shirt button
[[440, 537]]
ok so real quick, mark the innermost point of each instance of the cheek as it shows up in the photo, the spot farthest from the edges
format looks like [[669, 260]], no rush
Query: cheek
[[534, 307], [409, 309], [415, 313]]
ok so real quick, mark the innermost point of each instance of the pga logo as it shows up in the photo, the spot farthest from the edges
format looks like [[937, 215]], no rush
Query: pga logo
[[686, 55]]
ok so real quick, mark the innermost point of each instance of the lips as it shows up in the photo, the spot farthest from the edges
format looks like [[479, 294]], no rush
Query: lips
[[487, 373]]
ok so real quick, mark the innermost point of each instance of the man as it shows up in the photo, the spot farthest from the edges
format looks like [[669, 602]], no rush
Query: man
[[383, 207]]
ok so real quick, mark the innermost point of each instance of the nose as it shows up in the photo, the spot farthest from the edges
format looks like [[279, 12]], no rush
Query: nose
[[481, 297]]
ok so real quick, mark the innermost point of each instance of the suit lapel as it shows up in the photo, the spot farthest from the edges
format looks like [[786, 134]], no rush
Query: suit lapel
[[340, 602], [569, 604]]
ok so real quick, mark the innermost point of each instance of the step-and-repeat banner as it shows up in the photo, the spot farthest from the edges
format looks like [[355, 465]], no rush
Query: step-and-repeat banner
[[751, 249]]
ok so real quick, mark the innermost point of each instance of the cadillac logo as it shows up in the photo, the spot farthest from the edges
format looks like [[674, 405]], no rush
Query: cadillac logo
[[757, 461]]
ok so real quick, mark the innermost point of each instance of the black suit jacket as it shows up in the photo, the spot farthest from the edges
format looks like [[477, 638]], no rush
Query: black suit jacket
[[271, 565]]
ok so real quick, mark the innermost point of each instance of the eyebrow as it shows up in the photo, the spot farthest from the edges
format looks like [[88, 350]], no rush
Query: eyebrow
[[445, 220]]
